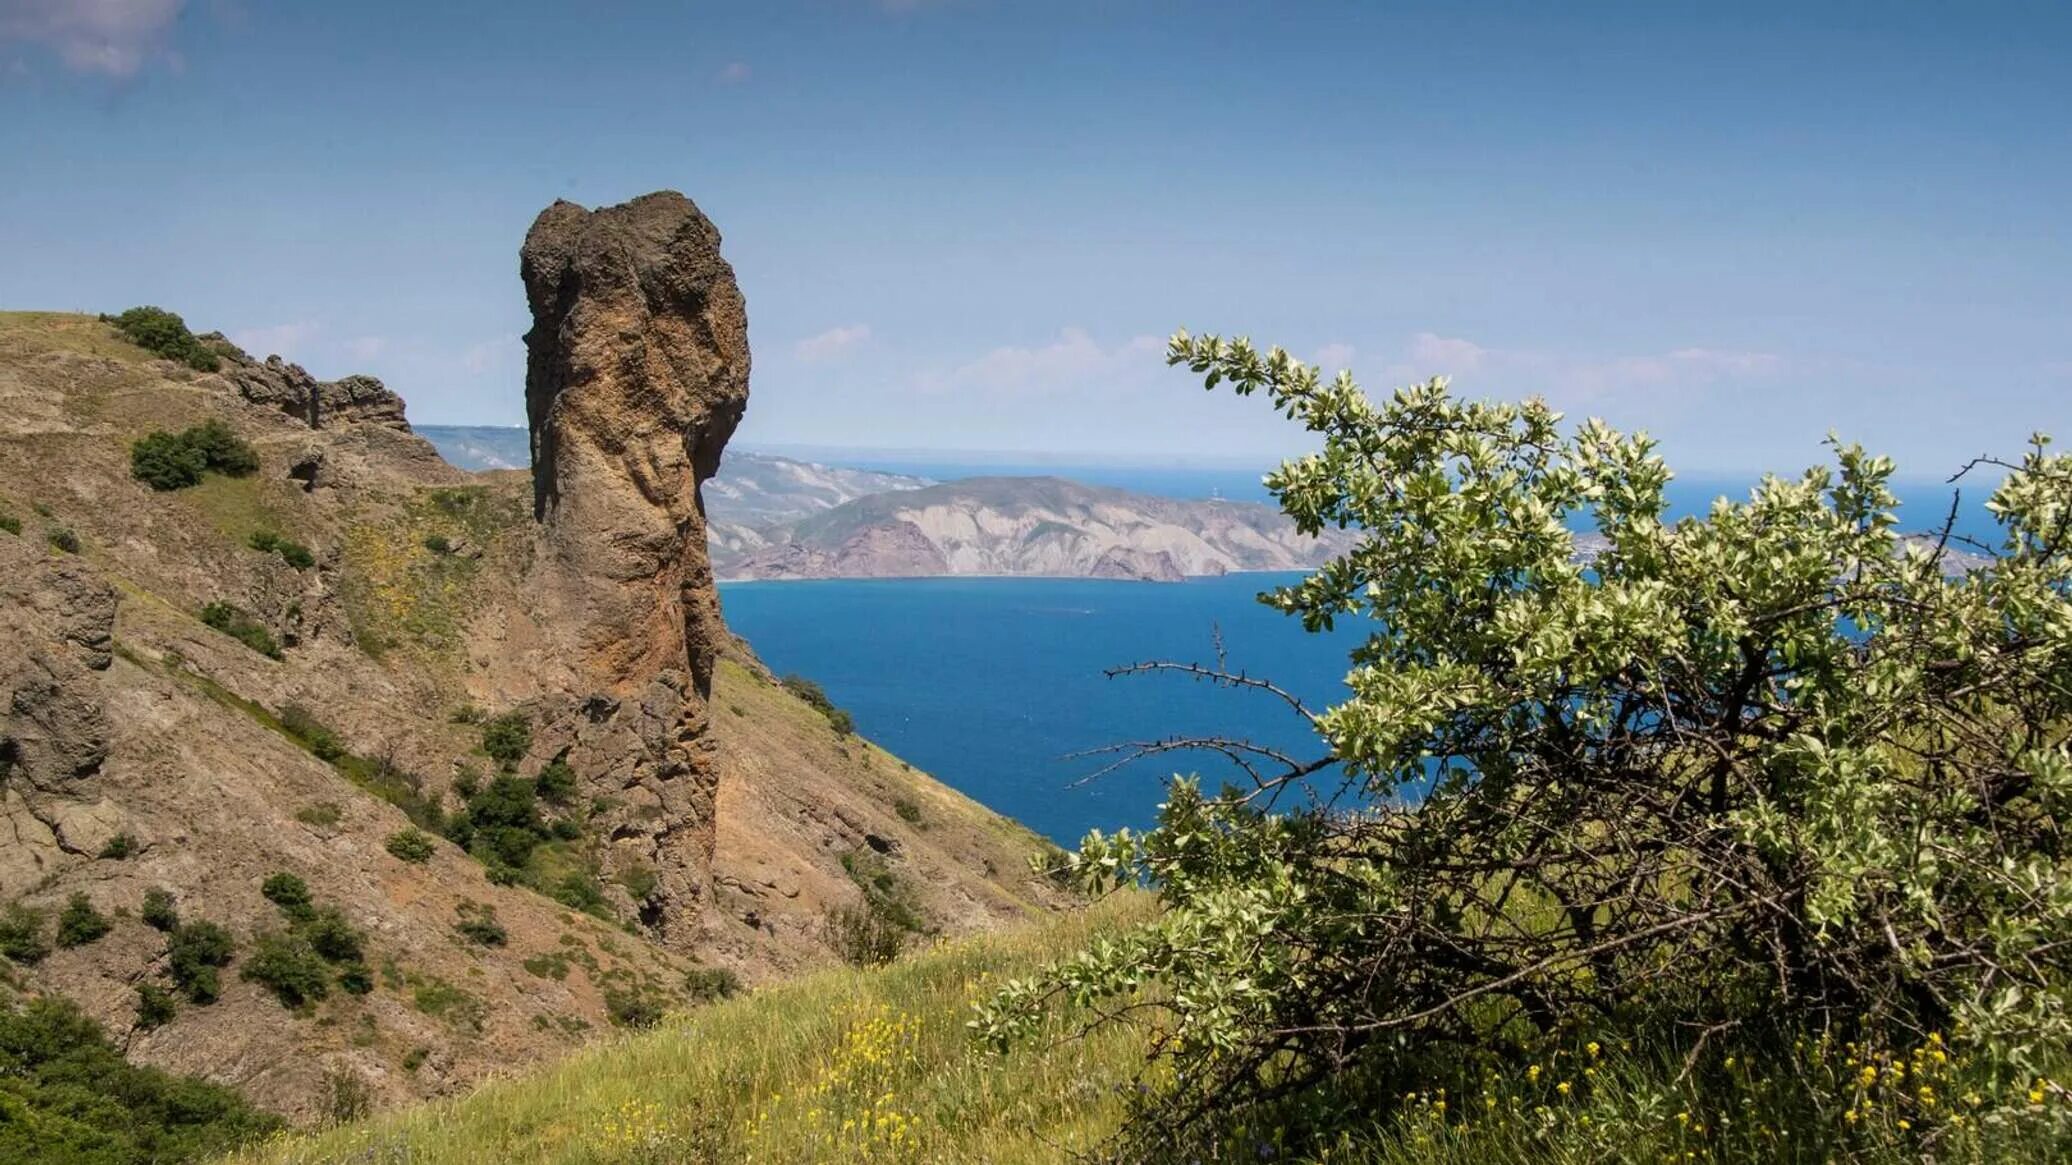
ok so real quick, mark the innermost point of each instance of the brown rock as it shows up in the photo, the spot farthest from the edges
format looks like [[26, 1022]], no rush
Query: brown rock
[[637, 373], [290, 388]]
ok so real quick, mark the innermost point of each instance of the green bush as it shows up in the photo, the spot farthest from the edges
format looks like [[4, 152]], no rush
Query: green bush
[[290, 893], [21, 934], [10, 523], [355, 979], [194, 951], [438, 544], [1737, 780], [164, 333], [332, 937], [507, 738], [235, 622], [556, 783], [70, 1098], [294, 553], [908, 811], [505, 819], [411, 845], [155, 1006], [119, 847], [812, 693], [289, 966], [322, 815], [159, 910], [79, 923], [171, 461], [632, 1008], [64, 538], [863, 937], [706, 984]]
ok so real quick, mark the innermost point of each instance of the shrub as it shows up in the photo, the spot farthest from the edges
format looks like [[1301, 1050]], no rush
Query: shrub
[[166, 461], [194, 950], [289, 966], [907, 810], [21, 934], [863, 937], [164, 333], [64, 538], [814, 695], [1769, 772], [632, 1008], [119, 847], [71, 1099], [10, 523], [507, 738], [294, 553], [505, 820], [290, 893], [411, 845], [355, 979], [323, 815], [706, 984], [155, 1006], [79, 923], [478, 925], [332, 937], [171, 461], [235, 622], [438, 544], [556, 783], [159, 911]]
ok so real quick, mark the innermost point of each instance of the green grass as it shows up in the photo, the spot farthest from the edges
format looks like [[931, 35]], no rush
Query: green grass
[[772, 1076]]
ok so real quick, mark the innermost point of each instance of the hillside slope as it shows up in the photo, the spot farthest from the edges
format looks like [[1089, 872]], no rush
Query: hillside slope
[[145, 749]]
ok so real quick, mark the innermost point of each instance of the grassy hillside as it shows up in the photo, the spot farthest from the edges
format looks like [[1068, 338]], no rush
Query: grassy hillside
[[837, 1066]]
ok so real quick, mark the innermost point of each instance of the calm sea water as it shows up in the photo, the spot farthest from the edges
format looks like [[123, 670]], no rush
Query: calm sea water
[[990, 684]]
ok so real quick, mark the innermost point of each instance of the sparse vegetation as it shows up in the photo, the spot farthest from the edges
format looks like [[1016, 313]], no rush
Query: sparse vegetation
[[10, 523], [841, 721], [908, 811], [322, 815], [478, 925], [164, 333], [174, 461], [79, 923], [710, 984], [64, 539], [290, 893], [118, 848], [556, 782], [289, 966], [155, 1006], [239, 624]]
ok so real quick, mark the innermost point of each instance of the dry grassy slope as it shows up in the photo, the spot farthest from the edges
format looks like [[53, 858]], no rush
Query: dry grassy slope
[[384, 644]]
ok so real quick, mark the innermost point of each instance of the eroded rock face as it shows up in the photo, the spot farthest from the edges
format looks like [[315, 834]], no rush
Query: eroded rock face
[[290, 388], [637, 374]]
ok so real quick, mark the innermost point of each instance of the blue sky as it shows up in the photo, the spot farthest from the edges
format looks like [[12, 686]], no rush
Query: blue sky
[[968, 224]]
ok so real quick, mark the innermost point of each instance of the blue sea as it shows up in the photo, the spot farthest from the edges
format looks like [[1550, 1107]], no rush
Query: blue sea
[[992, 684]]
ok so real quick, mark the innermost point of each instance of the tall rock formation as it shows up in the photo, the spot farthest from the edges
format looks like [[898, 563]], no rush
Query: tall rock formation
[[637, 374]]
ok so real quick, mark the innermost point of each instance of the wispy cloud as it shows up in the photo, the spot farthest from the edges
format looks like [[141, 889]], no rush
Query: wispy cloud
[[831, 343], [283, 340], [1074, 359], [733, 73], [366, 347], [1577, 378], [112, 38]]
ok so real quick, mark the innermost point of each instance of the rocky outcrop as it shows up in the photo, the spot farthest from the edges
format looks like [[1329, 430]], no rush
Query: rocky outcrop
[[637, 373], [275, 383], [1130, 564]]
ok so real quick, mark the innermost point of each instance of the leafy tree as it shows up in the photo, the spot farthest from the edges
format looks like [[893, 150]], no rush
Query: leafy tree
[[504, 820], [812, 693], [79, 923], [1775, 769], [556, 783], [221, 449]]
